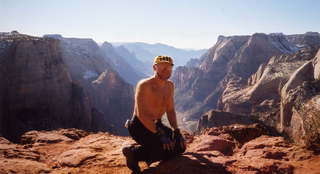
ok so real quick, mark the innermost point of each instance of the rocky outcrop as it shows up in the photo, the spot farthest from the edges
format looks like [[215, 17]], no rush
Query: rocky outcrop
[[216, 118], [299, 112], [228, 149]]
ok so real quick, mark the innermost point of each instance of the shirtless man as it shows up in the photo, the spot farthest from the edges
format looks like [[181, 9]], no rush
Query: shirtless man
[[153, 98]]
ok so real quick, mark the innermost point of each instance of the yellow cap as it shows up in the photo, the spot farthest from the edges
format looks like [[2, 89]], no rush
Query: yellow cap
[[161, 59]]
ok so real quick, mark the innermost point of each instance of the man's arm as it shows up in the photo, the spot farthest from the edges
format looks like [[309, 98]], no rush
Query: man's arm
[[171, 112], [142, 109]]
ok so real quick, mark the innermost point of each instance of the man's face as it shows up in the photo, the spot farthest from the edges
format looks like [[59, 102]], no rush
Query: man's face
[[163, 70]]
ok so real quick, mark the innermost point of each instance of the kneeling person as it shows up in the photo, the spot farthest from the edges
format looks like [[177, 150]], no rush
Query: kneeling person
[[153, 98]]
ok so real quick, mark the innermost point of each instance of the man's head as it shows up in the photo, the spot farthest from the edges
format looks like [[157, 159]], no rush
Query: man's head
[[162, 66]]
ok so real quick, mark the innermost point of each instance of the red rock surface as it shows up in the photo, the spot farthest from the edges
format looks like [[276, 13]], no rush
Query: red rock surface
[[215, 150]]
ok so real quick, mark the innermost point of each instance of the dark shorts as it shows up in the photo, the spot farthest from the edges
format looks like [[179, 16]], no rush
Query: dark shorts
[[150, 148]]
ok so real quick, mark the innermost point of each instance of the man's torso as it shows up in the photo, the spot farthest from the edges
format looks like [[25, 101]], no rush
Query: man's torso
[[158, 98]]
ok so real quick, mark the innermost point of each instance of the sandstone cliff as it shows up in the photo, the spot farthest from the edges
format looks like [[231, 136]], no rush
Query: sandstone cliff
[[111, 98], [262, 88], [282, 93], [37, 89], [300, 107], [224, 69], [48, 83], [261, 76]]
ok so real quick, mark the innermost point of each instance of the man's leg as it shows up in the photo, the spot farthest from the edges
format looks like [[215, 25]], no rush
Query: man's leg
[[150, 147], [134, 154], [132, 162]]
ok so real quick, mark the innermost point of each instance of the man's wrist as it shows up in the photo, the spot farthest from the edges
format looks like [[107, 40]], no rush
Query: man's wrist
[[160, 132]]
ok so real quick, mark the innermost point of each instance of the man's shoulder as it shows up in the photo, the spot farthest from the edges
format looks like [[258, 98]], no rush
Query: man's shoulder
[[144, 82], [170, 83]]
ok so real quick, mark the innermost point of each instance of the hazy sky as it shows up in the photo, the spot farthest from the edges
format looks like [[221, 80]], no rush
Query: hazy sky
[[180, 23]]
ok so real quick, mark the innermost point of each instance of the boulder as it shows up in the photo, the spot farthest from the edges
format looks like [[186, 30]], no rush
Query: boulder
[[215, 143], [216, 118]]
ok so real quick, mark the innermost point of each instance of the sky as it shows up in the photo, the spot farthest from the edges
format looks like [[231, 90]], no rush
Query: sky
[[180, 23]]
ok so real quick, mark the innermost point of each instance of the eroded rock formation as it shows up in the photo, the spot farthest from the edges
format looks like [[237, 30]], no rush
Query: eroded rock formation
[[265, 76], [224, 69]]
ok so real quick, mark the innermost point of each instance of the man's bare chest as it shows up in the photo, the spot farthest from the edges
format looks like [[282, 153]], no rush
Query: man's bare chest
[[160, 93]]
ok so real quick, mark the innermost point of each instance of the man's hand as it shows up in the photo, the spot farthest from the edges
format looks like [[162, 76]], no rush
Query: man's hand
[[179, 138], [166, 141]]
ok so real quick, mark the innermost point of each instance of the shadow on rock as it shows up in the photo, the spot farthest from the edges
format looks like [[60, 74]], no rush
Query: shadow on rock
[[190, 163]]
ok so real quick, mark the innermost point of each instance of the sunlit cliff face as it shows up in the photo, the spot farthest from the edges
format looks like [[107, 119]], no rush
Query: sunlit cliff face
[[163, 70]]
